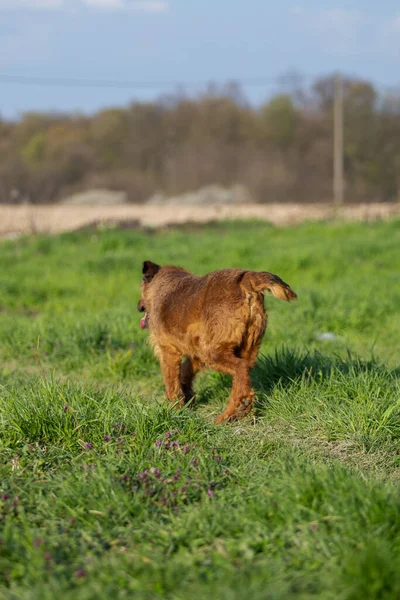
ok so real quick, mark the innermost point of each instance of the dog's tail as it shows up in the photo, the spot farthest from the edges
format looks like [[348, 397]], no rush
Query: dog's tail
[[269, 282]]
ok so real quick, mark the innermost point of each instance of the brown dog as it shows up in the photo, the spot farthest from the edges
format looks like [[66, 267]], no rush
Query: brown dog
[[216, 321]]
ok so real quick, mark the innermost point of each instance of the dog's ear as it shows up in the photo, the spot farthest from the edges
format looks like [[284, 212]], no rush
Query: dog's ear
[[149, 270]]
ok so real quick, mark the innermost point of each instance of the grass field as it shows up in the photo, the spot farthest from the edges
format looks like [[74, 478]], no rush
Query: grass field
[[105, 492]]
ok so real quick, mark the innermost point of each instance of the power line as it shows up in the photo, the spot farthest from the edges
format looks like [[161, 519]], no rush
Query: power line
[[287, 79], [125, 84]]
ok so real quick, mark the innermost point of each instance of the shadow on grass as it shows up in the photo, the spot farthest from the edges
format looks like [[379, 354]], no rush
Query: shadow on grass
[[286, 368]]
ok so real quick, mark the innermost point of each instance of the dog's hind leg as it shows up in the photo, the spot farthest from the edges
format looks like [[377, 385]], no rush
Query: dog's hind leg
[[242, 396], [189, 369], [171, 368]]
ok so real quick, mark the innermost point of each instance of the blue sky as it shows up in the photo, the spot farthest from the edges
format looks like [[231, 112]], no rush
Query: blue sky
[[186, 41]]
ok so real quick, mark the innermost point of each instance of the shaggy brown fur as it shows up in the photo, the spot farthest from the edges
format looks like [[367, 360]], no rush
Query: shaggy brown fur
[[216, 321]]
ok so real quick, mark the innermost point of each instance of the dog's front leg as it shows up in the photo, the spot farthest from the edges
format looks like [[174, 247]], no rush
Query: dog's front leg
[[171, 370]]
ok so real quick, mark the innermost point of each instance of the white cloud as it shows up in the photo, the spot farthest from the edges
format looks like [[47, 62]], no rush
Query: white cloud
[[338, 31], [341, 22], [28, 46], [296, 10], [388, 42], [343, 33], [150, 6], [105, 4], [334, 20], [394, 24], [30, 4], [146, 6]]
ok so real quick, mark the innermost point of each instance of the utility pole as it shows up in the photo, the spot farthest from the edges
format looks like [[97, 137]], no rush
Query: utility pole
[[171, 183], [338, 176]]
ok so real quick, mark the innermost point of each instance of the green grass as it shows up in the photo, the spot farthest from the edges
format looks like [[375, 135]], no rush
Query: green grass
[[105, 492]]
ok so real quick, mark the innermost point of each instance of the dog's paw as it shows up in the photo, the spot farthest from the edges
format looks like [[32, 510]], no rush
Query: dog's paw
[[244, 406], [226, 418]]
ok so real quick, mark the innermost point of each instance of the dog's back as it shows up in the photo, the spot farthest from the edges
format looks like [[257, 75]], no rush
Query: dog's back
[[195, 314]]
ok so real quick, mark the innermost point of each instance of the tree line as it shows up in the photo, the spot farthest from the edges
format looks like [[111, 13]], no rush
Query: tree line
[[281, 151]]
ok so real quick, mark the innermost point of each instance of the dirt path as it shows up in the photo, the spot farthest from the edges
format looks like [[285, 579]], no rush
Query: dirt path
[[56, 218]]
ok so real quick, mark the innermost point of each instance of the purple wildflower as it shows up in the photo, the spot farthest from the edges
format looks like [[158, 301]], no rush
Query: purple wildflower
[[107, 438], [185, 449], [158, 443], [80, 573], [210, 493], [119, 426], [89, 446], [218, 458], [195, 462], [5, 497], [66, 408]]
